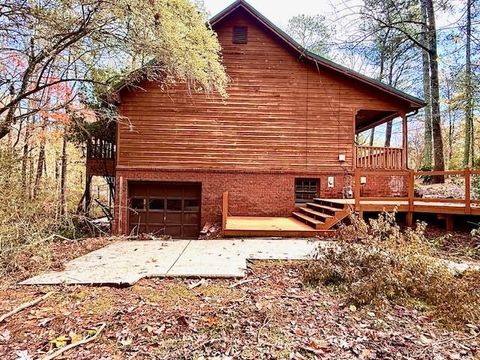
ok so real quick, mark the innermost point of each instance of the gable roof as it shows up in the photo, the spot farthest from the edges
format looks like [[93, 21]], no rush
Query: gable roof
[[415, 102]]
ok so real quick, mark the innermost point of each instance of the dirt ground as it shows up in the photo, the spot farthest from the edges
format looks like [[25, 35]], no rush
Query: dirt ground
[[268, 315]]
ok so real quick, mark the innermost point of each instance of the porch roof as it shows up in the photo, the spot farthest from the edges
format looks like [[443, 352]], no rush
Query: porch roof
[[367, 119]]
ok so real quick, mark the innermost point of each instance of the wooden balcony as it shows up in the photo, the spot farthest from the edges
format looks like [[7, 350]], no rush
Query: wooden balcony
[[100, 158], [374, 157]]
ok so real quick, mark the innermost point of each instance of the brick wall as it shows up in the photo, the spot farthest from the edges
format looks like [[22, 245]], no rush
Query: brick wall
[[250, 194], [385, 186]]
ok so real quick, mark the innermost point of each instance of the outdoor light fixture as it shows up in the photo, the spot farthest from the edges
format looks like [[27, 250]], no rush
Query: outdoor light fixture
[[363, 180], [341, 157], [331, 181]]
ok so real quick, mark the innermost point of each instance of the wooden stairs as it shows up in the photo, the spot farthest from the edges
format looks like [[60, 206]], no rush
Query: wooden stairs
[[322, 214]]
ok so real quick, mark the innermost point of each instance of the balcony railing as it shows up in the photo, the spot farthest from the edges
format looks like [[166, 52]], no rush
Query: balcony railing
[[374, 157], [100, 157], [100, 149]]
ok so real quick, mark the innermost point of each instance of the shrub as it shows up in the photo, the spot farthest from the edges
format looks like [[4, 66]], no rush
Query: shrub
[[377, 262], [26, 222]]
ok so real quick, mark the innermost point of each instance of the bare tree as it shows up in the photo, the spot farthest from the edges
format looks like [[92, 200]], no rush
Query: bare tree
[[469, 150], [406, 21]]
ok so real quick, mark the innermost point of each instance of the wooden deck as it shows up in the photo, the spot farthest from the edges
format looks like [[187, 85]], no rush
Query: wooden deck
[[268, 226], [320, 216]]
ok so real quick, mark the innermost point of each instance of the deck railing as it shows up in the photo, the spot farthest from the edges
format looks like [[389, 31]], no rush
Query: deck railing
[[374, 157], [100, 149], [467, 200]]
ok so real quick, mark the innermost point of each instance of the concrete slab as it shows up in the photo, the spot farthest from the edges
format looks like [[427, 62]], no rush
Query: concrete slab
[[126, 262], [121, 263]]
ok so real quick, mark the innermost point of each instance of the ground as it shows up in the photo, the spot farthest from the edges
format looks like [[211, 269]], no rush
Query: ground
[[270, 314]]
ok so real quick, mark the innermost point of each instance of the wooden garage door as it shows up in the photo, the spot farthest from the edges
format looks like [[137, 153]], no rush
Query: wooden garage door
[[162, 208]]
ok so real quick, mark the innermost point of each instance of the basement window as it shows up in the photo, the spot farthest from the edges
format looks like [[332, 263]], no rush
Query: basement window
[[240, 35], [305, 189]]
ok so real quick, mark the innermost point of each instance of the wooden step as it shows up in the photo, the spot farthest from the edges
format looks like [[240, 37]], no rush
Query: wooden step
[[324, 208], [307, 219], [335, 205], [314, 213], [330, 202]]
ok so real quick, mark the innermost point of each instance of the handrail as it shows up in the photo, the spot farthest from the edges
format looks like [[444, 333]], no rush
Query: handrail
[[375, 157]]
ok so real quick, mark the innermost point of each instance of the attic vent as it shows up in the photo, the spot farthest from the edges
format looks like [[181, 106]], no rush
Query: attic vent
[[240, 35]]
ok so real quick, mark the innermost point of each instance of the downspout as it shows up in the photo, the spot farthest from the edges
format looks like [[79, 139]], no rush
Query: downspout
[[405, 128]]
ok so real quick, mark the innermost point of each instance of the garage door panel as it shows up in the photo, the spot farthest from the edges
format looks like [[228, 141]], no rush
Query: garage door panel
[[190, 230], [158, 229], [138, 217], [137, 229], [174, 231], [173, 218], [191, 218], [155, 217]]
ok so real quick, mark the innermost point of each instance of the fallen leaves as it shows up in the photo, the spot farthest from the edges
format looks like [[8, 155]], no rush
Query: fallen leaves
[[274, 316]]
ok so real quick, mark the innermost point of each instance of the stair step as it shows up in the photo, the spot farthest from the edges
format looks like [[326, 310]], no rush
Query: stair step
[[330, 203], [311, 221], [315, 213], [323, 207]]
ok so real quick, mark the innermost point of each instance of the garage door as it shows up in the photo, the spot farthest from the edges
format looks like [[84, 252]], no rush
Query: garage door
[[162, 208]]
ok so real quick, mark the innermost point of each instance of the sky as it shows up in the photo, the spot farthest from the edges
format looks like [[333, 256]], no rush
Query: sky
[[280, 11]]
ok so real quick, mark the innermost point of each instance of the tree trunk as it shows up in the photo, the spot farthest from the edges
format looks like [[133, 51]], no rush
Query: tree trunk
[[438, 157], [451, 126], [372, 136], [468, 156], [427, 154], [388, 133], [25, 155], [63, 177], [40, 166], [41, 161]]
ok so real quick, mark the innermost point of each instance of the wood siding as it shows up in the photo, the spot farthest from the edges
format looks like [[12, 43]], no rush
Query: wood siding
[[281, 113]]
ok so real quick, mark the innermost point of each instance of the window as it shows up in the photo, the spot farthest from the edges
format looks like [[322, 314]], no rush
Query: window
[[191, 205], [157, 204], [240, 35], [174, 204], [138, 204], [305, 189]]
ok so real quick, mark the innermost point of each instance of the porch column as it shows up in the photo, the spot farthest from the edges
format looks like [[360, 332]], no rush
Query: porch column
[[405, 139]]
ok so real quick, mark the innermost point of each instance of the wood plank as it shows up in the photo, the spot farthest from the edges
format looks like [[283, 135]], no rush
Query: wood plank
[[281, 114]]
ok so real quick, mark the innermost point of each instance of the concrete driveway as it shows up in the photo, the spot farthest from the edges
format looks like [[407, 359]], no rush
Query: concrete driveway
[[126, 262]]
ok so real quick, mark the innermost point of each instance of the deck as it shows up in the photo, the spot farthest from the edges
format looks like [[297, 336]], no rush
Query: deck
[[320, 216], [268, 226]]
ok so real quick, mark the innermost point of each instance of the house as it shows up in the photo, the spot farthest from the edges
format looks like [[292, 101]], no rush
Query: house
[[285, 136]]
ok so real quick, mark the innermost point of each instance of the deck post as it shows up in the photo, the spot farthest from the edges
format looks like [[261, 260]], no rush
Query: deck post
[[411, 196], [468, 209], [356, 190], [224, 210], [405, 140], [449, 222]]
